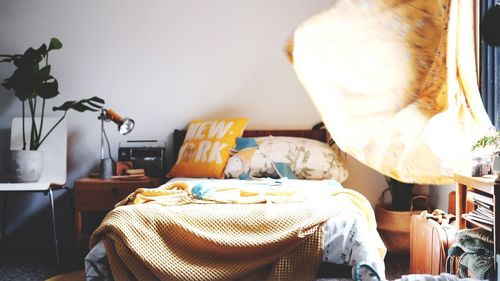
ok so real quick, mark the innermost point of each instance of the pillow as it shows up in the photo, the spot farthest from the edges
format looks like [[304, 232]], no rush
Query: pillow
[[205, 150], [278, 156]]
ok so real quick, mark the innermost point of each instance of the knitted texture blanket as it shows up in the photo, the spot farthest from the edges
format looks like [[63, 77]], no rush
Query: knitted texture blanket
[[472, 254], [217, 241]]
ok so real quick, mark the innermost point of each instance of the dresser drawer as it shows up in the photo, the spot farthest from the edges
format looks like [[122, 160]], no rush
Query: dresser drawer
[[103, 196]]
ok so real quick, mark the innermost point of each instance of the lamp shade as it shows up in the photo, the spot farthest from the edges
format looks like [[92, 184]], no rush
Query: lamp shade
[[125, 125]]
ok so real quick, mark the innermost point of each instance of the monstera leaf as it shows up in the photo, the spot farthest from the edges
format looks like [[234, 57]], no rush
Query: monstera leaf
[[49, 90], [91, 104], [31, 81]]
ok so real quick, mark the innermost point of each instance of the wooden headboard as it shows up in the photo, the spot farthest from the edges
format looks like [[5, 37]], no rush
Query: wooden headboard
[[319, 134]]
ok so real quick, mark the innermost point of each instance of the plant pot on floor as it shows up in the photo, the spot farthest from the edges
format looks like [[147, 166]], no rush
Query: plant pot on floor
[[394, 226], [25, 165]]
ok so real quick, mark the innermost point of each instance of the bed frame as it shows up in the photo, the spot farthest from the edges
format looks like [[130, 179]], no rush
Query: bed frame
[[326, 270]]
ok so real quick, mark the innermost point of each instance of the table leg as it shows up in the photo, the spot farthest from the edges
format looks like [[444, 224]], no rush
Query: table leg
[[78, 224], [51, 197], [461, 202], [4, 220], [496, 225]]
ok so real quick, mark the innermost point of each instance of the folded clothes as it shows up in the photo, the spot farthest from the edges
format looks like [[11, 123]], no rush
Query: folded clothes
[[474, 251]]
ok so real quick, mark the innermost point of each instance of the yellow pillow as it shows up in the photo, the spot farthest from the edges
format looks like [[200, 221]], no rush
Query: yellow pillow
[[205, 150]]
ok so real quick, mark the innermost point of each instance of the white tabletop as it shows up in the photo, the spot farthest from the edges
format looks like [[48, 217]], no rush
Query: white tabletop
[[35, 186]]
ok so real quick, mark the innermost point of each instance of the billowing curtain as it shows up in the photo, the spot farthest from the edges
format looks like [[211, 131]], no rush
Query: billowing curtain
[[395, 83]]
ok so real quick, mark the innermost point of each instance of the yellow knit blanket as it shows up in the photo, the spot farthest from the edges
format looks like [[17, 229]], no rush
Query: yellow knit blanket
[[174, 239]]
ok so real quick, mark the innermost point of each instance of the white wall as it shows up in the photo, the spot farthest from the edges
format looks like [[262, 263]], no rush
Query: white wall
[[163, 63]]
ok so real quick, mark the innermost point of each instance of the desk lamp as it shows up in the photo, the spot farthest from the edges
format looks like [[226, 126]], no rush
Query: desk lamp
[[125, 126]]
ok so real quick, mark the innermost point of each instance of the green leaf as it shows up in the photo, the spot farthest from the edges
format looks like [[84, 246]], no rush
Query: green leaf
[[91, 104], [97, 100], [49, 90], [7, 84], [63, 107], [23, 81], [7, 60], [55, 44], [44, 73], [30, 57], [42, 51]]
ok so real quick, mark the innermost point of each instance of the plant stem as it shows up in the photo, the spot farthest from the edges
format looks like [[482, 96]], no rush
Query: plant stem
[[43, 107], [41, 121], [33, 135], [24, 134], [51, 129]]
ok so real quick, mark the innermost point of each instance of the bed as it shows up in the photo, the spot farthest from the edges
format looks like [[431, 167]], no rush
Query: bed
[[345, 239]]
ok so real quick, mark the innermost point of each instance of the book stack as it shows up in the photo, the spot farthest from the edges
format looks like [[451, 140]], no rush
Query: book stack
[[482, 215], [132, 174]]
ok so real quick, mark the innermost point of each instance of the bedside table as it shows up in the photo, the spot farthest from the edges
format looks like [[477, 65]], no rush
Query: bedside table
[[99, 196]]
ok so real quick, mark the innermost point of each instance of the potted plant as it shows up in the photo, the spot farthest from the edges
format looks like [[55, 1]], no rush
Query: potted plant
[[33, 84], [393, 220], [491, 162]]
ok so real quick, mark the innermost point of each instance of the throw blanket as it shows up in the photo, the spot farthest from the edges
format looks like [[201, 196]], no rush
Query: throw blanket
[[473, 250], [217, 241]]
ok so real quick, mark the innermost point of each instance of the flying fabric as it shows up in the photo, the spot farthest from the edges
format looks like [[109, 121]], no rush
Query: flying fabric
[[395, 83]]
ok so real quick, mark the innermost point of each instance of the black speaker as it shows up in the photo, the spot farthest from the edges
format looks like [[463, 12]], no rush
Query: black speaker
[[144, 154]]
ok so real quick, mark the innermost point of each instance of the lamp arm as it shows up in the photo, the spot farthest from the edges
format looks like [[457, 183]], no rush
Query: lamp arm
[[113, 116]]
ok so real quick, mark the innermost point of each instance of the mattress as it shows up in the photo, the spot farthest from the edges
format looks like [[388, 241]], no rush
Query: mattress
[[346, 239]]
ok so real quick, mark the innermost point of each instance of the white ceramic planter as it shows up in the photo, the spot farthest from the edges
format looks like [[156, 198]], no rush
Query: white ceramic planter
[[496, 165], [25, 165]]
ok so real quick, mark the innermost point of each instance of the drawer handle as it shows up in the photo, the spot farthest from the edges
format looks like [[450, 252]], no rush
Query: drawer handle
[[114, 190]]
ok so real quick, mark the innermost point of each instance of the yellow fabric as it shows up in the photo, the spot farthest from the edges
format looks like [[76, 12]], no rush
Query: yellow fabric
[[70, 276], [205, 150], [179, 193], [172, 194], [283, 241], [395, 83]]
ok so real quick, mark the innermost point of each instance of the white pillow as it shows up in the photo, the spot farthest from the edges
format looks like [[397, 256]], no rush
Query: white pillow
[[307, 158]]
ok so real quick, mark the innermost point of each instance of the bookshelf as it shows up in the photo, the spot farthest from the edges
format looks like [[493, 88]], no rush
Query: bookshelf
[[485, 192]]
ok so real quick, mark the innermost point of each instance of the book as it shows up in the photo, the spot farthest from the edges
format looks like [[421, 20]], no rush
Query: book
[[484, 211], [486, 206], [481, 198], [480, 223], [481, 217]]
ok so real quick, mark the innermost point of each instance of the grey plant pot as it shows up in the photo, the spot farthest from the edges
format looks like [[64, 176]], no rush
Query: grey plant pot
[[25, 165]]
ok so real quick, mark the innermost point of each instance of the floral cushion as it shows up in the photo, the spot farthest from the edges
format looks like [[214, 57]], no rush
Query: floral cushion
[[268, 157]]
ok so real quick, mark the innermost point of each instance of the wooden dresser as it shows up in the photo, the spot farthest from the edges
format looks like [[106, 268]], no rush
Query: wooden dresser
[[99, 196]]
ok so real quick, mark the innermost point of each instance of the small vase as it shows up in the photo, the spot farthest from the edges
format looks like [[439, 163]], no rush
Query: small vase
[[496, 165], [25, 165]]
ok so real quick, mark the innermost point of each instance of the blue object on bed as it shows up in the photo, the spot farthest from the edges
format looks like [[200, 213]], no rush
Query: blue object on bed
[[202, 191], [284, 170], [242, 143]]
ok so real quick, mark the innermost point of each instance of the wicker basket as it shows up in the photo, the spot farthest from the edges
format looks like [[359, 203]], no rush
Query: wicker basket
[[394, 227]]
